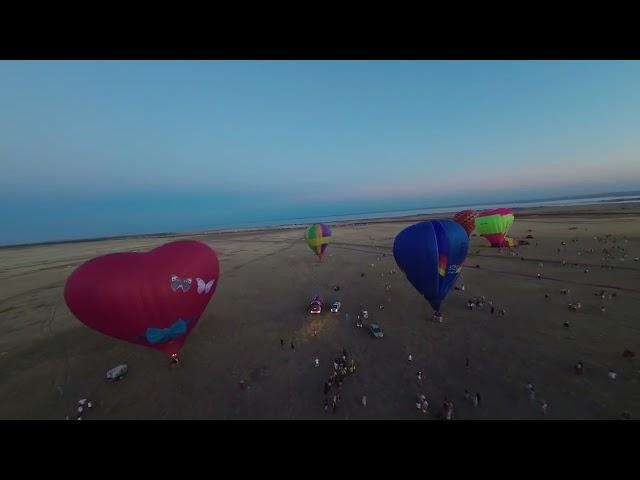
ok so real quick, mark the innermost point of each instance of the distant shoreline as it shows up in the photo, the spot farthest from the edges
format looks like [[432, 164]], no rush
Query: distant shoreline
[[614, 200], [519, 211]]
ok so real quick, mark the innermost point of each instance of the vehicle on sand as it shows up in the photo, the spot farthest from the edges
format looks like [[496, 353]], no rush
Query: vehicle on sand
[[376, 331], [315, 306]]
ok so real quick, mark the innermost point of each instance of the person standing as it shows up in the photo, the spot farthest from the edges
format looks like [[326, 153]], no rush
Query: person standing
[[532, 392], [477, 400], [364, 400], [449, 410]]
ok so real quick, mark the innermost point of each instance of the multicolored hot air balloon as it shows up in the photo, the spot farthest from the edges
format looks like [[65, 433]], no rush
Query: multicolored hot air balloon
[[494, 225], [154, 298], [431, 255], [318, 237], [466, 218]]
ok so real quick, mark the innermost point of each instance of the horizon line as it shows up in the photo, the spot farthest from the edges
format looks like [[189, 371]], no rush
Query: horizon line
[[274, 224]]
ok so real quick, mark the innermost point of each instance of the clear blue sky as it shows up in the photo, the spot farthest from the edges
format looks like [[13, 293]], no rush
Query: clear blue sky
[[102, 148]]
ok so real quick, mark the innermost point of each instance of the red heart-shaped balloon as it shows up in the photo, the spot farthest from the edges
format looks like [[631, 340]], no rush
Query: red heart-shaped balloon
[[146, 298]]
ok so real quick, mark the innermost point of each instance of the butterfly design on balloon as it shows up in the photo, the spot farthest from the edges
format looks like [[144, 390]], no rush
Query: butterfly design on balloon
[[185, 285], [204, 287], [177, 284]]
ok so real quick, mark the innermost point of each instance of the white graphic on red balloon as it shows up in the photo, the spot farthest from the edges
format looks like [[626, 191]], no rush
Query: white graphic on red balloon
[[204, 287]]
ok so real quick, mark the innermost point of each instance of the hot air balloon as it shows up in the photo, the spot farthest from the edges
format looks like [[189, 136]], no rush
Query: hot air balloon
[[154, 298], [431, 255], [318, 237], [494, 225], [466, 218]]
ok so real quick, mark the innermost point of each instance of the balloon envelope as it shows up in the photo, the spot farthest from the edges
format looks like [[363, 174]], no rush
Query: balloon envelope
[[152, 298], [318, 237], [466, 218], [431, 255], [494, 225]]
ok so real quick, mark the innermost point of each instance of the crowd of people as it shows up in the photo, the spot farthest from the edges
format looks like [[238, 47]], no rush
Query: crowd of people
[[342, 368], [479, 302]]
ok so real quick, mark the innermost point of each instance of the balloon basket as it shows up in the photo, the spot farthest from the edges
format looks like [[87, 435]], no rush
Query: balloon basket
[[437, 317]]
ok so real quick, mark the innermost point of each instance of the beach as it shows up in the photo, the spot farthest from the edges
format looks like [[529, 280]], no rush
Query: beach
[[49, 360]]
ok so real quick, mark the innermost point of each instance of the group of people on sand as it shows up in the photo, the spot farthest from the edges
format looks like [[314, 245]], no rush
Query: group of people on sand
[[342, 368], [575, 306], [422, 404], [478, 302]]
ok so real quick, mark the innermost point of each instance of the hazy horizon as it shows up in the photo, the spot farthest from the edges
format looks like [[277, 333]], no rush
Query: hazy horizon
[[354, 215], [106, 148]]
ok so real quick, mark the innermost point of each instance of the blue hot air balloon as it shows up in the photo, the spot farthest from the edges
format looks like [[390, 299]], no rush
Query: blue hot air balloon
[[431, 255]]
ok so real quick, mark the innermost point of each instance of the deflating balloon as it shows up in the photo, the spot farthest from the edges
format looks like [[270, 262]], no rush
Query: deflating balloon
[[431, 255], [153, 298], [494, 225], [318, 237]]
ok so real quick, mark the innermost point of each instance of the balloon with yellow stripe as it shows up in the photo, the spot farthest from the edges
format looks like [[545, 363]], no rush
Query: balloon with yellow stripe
[[318, 237]]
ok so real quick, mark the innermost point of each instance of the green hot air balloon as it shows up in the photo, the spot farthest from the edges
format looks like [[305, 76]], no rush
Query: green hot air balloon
[[494, 225]]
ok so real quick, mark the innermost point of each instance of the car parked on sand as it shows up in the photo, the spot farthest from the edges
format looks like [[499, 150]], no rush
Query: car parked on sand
[[315, 306], [376, 331]]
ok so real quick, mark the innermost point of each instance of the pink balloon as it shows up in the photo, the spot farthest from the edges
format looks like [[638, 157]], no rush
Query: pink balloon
[[153, 299]]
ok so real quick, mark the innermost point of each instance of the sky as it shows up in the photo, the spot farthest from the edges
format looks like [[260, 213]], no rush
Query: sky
[[99, 148]]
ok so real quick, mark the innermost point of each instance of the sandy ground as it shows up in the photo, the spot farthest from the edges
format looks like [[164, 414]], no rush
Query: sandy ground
[[49, 360]]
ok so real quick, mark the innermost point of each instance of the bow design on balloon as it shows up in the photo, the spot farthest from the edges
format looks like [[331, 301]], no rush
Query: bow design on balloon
[[163, 335], [204, 287], [177, 284]]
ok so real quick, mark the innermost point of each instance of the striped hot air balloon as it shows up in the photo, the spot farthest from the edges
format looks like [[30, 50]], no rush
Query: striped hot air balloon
[[318, 237]]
